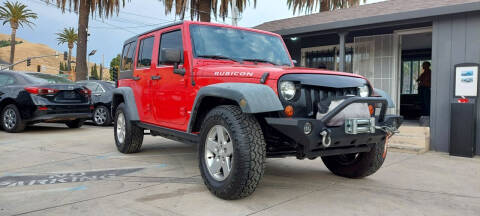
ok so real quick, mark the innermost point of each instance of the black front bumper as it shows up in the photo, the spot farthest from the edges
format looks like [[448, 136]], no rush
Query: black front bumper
[[341, 142]]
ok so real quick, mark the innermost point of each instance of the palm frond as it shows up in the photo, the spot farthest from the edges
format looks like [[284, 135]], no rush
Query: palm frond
[[16, 14]]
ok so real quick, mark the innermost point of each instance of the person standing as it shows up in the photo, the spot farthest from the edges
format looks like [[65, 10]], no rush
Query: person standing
[[424, 87]]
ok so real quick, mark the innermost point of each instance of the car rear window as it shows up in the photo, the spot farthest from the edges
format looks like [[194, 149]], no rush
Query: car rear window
[[47, 78]]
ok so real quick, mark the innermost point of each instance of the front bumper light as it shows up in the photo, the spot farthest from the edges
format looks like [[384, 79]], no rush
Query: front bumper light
[[364, 91], [287, 90]]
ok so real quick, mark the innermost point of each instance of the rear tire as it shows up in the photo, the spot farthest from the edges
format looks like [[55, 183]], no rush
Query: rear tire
[[11, 119], [101, 116], [128, 136], [243, 145], [78, 123], [357, 165]]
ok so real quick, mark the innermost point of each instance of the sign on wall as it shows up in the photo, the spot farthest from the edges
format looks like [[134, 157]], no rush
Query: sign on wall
[[466, 80]]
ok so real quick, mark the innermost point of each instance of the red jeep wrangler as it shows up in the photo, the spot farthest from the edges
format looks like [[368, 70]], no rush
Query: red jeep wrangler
[[236, 92]]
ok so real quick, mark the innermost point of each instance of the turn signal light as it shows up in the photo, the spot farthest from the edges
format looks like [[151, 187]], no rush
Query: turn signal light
[[288, 111], [40, 90], [371, 109]]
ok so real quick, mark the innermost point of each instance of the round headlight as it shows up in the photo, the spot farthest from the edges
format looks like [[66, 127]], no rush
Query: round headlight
[[364, 91], [288, 90]]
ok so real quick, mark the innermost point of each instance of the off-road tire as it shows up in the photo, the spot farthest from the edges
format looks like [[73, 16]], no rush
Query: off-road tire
[[108, 118], [78, 123], [133, 134], [364, 165], [19, 125], [248, 152]]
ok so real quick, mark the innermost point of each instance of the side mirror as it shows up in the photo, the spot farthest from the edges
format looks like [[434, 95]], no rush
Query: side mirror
[[294, 61], [171, 55], [379, 92]]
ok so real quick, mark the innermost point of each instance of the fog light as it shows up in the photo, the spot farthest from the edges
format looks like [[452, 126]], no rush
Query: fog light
[[288, 111], [307, 128]]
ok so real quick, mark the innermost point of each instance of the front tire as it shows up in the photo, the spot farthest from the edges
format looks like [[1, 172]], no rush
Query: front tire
[[128, 136], [101, 116], [11, 119], [357, 165], [231, 152]]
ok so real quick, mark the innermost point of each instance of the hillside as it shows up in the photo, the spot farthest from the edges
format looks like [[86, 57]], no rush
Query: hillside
[[27, 49]]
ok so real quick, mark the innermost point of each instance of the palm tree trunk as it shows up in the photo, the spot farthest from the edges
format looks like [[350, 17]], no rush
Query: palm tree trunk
[[325, 5], [69, 59], [84, 13], [204, 10], [12, 47]]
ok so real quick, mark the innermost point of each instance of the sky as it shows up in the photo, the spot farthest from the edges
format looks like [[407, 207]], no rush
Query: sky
[[108, 35]]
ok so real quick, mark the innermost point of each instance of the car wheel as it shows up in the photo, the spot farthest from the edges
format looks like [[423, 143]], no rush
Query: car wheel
[[128, 136], [78, 123], [11, 119], [231, 152], [357, 165], [101, 116]]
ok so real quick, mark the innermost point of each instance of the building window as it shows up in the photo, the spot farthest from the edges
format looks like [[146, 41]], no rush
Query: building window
[[412, 61]]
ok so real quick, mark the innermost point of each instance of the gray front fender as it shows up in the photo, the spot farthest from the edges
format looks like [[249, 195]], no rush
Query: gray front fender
[[252, 98]]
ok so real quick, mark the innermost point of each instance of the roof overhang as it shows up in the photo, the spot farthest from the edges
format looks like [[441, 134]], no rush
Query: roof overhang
[[401, 16]]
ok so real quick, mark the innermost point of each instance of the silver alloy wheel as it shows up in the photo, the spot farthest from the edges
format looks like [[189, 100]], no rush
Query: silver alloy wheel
[[219, 152], [100, 115], [120, 127], [10, 118]]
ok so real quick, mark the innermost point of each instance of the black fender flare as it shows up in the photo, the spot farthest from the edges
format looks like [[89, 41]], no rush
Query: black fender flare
[[251, 97], [129, 99]]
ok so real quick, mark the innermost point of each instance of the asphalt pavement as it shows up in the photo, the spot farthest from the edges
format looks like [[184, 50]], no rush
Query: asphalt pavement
[[52, 170]]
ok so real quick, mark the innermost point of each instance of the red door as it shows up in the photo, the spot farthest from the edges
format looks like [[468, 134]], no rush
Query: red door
[[169, 96], [144, 70]]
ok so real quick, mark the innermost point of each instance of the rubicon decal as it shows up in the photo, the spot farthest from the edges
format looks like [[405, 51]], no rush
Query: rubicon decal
[[226, 73]]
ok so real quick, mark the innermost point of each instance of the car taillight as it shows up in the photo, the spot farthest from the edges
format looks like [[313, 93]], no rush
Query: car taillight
[[86, 91], [40, 90]]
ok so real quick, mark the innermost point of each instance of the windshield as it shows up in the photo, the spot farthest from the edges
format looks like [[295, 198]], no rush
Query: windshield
[[237, 45], [46, 78]]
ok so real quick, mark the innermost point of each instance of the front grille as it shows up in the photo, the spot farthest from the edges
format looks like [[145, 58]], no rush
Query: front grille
[[313, 95]]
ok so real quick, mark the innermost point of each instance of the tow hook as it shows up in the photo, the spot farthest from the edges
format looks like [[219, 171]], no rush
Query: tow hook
[[326, 139], [390, 131]]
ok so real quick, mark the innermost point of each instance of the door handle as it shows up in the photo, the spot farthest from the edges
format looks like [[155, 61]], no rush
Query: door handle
[[156, 77], [136, 78]]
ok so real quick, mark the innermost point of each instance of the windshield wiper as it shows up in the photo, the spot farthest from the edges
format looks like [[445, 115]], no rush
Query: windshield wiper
[[219, 57], [260, 60]]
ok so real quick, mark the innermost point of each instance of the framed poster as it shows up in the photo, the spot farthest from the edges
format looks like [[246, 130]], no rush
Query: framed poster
[[466, 80]]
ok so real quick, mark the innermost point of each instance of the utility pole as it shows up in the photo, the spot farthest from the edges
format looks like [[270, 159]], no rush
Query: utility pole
[[234, 13]]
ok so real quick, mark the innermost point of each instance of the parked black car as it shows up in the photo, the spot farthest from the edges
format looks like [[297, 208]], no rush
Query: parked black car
[[101, 99], [28, 98]]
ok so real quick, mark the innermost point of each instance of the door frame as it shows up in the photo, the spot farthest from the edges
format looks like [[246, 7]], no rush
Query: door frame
[[397, 41]]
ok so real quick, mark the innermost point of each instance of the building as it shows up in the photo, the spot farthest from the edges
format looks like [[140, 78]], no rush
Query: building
[[387, 42]]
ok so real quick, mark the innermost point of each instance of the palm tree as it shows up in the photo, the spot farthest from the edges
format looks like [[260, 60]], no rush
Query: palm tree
[[201, 9], [85, 8], [69, 36], [309, 6], [17, 15]]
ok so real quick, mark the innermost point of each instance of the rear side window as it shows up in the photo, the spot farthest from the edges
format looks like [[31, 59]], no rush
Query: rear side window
[[171, 39], [144, 58], [127, 58], [6, 80]]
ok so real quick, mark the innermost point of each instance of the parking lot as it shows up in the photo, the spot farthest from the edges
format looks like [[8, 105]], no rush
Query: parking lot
[[52, 170]]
